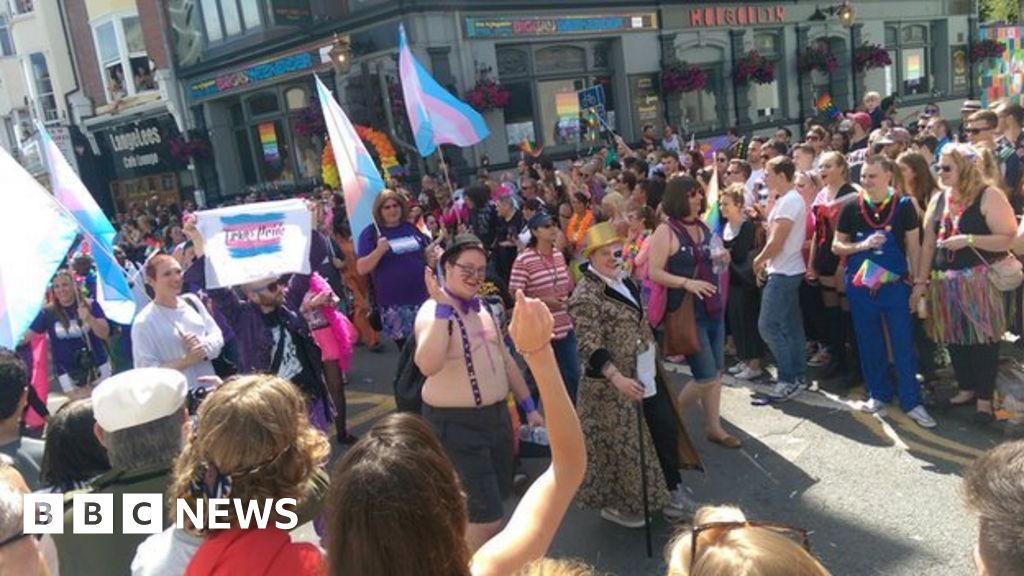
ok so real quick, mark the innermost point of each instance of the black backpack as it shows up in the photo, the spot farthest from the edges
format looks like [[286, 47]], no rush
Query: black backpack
[[408, 382]]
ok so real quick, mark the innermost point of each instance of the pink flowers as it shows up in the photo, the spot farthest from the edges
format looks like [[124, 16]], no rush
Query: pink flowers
[[488, 95], [196, 148], [753, 67], [985, 49], [818, 58], [870, 56], [683, 78]]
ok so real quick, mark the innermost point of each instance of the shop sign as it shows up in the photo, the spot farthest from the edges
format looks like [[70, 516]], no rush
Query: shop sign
[[291, 12], [961, 70], [502, 26], [141, 148], [262, 72], [736, 16]]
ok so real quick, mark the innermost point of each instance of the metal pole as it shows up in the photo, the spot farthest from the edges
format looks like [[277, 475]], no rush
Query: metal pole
[[643, 477]]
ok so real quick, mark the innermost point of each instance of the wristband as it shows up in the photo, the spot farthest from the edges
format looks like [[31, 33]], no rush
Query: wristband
[[970, 239], [528, 405], [528, 353], [444, 312]]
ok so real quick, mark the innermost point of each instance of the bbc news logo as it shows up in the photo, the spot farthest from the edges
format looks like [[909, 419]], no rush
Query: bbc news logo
[[144, 513]]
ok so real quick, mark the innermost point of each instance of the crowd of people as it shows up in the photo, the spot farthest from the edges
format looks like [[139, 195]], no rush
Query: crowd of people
[[541, 302]]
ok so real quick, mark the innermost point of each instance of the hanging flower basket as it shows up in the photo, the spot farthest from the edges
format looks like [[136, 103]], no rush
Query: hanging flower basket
[[310, 120], [753, 67], [683, 78], [869, 57], [985, 49], [182, 151], [817, 58], [488, 95]]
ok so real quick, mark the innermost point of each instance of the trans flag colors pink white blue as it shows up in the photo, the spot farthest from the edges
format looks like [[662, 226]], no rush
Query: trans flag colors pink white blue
[[361, 181], [112, 291], [436, 117], [36, 234]]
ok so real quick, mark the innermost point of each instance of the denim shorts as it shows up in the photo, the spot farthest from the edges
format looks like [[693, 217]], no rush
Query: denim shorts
[[708, 364]]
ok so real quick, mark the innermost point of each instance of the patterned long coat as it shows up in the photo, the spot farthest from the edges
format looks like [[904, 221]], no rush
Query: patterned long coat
[[610, 328]]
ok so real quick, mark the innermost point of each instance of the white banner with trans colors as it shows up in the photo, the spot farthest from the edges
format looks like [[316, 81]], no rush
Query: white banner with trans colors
[[255, 241]]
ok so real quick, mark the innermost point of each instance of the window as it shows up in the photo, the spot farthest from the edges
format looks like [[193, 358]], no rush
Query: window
[[21, 6], [909, 50], [6, 42], [698, 109], [42, 88], [124, 62], [766, 99], [225, 19]]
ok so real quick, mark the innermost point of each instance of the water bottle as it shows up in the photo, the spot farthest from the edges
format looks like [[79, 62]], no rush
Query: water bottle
[[717, 252]]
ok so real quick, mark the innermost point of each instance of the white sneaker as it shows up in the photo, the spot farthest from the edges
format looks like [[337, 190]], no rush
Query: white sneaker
[[749, 373], [681, 506], [624, 520], [737, 368], [785, 390], [873, 406], [921, 416]]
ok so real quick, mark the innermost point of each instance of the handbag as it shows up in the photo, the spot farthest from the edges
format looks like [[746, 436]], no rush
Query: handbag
[[681, 329], [1006, 274]]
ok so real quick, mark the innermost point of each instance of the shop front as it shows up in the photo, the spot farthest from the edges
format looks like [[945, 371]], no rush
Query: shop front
[[546, 62], [253, 115], [139, 159]]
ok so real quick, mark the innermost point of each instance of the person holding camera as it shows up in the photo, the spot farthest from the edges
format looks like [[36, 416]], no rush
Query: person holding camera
[[77, 330]]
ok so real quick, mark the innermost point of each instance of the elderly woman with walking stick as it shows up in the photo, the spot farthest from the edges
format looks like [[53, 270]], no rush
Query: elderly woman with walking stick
[[621, 383]]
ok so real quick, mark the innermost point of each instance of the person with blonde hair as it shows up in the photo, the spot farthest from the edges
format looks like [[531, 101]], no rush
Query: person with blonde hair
[[967, 228], [722, 541], [253, 442]]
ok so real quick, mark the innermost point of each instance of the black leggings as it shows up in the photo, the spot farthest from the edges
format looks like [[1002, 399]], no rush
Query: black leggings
[[664, 429], [975, 367]]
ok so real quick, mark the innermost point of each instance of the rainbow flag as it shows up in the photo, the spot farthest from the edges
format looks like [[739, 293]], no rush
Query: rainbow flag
[[112, 291], [825, 105], [872, 276], [361, 181], [436, 117], [526, 147], [36, 233]]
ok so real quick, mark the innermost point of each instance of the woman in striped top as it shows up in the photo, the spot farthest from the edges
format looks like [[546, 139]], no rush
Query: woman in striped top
[[540, 272]]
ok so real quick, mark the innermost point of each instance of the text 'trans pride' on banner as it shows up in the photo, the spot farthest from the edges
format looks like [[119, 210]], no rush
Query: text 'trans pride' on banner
[[255, 241]]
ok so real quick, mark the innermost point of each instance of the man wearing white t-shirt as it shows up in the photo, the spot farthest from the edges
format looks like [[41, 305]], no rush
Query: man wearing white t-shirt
[[780, 323]]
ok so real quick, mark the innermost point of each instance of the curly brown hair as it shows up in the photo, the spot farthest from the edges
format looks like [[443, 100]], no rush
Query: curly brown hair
[[255, 430]]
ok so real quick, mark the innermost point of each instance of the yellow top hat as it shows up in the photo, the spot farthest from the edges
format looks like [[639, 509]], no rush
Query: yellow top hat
[[599, 236]]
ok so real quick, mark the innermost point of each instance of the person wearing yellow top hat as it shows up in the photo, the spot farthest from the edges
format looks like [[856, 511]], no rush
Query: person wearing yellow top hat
[[622, 381]]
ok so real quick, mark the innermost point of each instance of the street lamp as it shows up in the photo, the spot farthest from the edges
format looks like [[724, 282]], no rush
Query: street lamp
[[341, 54], [844, 12]]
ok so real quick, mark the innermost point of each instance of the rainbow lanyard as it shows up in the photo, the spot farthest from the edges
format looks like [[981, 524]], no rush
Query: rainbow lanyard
[[865, 203]]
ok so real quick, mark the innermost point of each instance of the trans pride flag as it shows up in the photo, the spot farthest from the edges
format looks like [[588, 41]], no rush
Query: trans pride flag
[[112, 291], [436, 117], [36, 233], [361, 181]]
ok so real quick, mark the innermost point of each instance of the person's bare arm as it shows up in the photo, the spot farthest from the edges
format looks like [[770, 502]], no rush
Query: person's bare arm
[[539, 514], [660, 246], [777, 234]]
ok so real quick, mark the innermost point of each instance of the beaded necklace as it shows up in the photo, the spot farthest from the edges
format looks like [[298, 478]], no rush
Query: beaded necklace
[[876, 212], [952, 212]]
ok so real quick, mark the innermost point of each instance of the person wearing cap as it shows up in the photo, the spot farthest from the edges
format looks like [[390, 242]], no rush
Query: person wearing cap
[[622, 381], [895, 142], [468, 375], [142, 421], [273, 336], [541, 272], [969, 107], [860, 126]]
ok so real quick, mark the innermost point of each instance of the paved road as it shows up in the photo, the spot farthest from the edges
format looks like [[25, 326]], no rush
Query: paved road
[[880, 495]]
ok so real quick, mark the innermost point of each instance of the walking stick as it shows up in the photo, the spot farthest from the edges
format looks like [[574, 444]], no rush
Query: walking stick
[[643, 477]]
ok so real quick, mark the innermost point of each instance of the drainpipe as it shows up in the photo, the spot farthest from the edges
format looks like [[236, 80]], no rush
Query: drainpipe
[[74, 63]]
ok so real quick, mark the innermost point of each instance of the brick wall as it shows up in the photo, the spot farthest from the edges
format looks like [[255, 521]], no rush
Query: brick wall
[[85, 51], [149, 15]]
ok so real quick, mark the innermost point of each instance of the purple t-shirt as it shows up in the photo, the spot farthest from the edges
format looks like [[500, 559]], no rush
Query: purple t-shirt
[[66, 342], [398, 278]]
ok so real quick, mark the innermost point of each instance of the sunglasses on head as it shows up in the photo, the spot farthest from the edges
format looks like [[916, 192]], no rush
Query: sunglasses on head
[[272, 287]]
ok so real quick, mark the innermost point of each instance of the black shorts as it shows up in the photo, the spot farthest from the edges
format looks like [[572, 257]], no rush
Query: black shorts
[[479, 443]]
